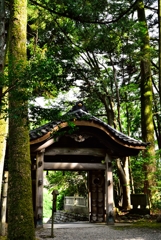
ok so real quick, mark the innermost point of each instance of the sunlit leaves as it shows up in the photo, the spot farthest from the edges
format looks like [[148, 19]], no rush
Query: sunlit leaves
[[67, 183]]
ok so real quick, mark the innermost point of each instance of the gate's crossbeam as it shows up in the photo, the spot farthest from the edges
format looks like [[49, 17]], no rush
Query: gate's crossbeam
[[73, 166], [98, 152]]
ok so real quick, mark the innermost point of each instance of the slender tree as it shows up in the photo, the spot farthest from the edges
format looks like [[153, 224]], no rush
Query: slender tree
[[20, 210], [159, 20], [3, 121], [2, 34]]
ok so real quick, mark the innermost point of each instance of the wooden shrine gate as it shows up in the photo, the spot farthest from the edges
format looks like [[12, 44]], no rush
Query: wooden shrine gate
[[98, 190], [90, 146]]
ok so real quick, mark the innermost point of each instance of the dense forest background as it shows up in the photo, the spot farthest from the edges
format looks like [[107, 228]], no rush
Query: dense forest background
[[106, 53]]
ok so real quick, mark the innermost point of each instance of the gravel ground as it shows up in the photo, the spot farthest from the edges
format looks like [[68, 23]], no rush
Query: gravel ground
[[99, 232]]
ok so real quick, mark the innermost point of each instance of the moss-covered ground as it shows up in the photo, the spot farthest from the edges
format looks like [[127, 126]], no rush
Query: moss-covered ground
[[150, 223]]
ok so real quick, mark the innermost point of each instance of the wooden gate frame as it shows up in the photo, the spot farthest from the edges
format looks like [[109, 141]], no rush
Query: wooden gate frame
[[44, 144], [39, 186]]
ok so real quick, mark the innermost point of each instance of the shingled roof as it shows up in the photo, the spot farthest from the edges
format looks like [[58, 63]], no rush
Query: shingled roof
[[81, 115]]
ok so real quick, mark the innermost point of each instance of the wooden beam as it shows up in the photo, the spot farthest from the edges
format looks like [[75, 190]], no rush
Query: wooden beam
[[73, 166], [73, 158], [44, 145], [98, 152], [39, 188]]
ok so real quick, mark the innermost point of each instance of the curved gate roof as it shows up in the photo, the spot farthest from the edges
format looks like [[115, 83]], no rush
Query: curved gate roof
[[116, 142]]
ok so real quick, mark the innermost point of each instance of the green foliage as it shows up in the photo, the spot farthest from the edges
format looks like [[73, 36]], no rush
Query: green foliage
[[139, 171], [81, 40], [104, 57], [138, 174], [156, 204], [70, 48], [67, 183], [40, 116], [60, 200], [47, 204]]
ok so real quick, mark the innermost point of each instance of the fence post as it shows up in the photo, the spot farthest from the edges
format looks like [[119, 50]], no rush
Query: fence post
[[54, 193]]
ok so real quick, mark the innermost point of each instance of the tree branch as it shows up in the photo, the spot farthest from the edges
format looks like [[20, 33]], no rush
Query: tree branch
[[80, 19], [150, 8]]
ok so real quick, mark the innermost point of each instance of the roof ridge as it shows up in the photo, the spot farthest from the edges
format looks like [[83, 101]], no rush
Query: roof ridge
[[79, 114]]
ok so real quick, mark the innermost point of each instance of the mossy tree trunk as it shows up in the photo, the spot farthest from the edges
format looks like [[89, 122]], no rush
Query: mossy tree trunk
[[146, 104], [20, 209], [124, 185]]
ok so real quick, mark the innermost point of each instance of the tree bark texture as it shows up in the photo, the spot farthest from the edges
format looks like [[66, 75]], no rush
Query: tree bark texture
[[20, 209], [146, 102]]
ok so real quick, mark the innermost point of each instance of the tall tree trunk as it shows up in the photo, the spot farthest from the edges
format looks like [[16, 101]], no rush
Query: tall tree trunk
[[107, 101], [4, 204], [157, 123], [123, 181], [159, 20], [123, 171], [127, 174], [108, 104], [2, 35], [129, 161], [3, 122], [146, 104], [3, 141], [20, 209]]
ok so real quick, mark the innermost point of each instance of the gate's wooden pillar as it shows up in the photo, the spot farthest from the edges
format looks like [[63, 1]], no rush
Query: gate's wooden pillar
[[109, 191], [39, 188]]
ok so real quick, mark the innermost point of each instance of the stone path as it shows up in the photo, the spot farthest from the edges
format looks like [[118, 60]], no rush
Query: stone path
[[89, 231]]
